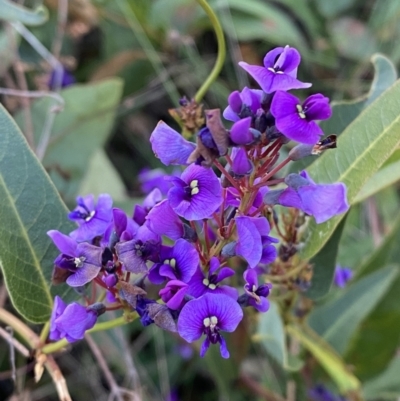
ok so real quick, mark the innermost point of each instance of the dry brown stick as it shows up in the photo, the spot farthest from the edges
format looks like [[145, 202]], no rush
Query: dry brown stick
[[16, 344], [115, 389]]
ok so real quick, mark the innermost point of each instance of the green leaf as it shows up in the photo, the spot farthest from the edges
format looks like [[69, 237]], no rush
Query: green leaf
[[386, 386], [331, 8], [271, 335], [385, 177], [12, 12], [30, 206], [102, 177], [387, 252], [337, 320], [324, 264], [364, 146], [326, 356], [345, 111], [378, 337], [79, 130]]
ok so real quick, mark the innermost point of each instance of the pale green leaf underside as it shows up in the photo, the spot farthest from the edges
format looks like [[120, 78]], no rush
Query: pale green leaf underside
[[29, 207], [363, 147], [12, 12]]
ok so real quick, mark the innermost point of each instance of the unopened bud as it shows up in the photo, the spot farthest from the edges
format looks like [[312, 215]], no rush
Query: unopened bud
[[272, 197], [98, 308]]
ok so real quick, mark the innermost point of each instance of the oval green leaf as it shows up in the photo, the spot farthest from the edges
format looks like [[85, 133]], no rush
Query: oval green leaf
[[29, 207]]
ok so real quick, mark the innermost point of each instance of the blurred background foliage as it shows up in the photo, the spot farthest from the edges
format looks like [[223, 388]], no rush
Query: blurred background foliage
[[132, 61]]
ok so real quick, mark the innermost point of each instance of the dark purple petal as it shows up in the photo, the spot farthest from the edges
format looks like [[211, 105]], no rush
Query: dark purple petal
[[342, 276], [174, 293], [249, 244], [187, 259], [169, 146], [64, 243], [241, 164], [317, 107], [251, 277], [204, 347], [262, 305], [290, 198], [240, 132], [120, 221], [269, 254], [252, 98], [58, 309], [190, 321], [223, 348], [271, 57], [288, 61], [162, 220], [151, 179], [235, 102], [284, 104]]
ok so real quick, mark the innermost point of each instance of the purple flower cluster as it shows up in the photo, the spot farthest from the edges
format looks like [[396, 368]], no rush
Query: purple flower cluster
[[201, 239]]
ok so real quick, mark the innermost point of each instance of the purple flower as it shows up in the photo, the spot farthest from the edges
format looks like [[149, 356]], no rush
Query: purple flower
[[318, 200], [92, 220], [169, 146], [241, 164], [141, 211], [197, 194], [243, 104], [176, 263], [296, 120], [162, 220], [210, 283], [279, 71], [70, 321], [342, 276], [321, 393], [135, 253], [241, 133], [67, 79], [209, 315], [255, 295], [82, 260], [173, 294], [250, 231]]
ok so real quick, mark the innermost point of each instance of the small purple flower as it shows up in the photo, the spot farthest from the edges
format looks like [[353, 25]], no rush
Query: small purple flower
[[67, 79], [176, 263], [92, 220], [321, 393], [241, 164], [197, 194], [279, 71], [243, 104], [209, 315], [255, 295], [250, 231], [173, 294], [162, 220], [342, 276], [70, 321], [135, 253], [201, 284], [169, 146], [296, 120], [141, 211], [318, 200], [82, 260]]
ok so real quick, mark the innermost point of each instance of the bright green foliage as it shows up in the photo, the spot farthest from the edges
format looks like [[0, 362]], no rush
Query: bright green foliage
[[30, 206]]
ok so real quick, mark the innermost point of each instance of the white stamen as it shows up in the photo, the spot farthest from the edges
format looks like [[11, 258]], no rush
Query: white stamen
[[194, 183], [279, 72], [271, 69], [206, 282], [79, 261], [92, 213], [300, 111], [254, 288], [194, 191], [172, 263], [207, 322], [212, 286]]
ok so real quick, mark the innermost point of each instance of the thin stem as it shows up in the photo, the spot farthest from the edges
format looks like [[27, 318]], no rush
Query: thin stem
[[270, 174], [221, 168], [221, 50], [45, 332], [16, 344], [115, 390]]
